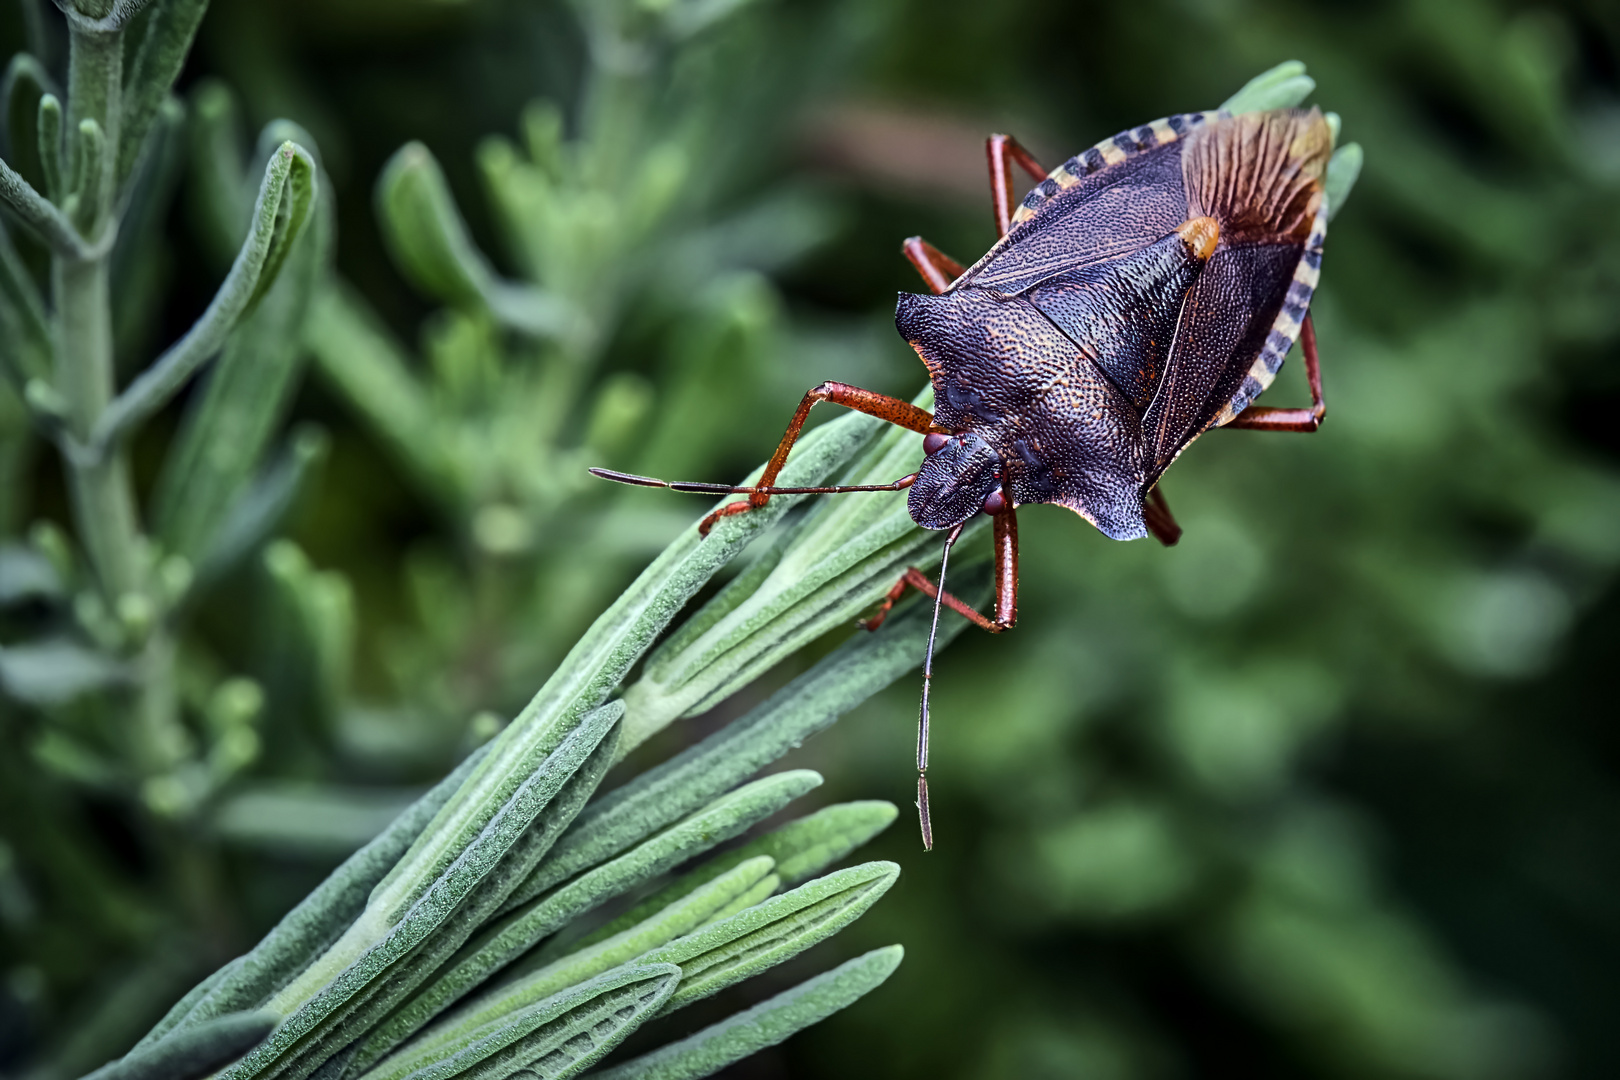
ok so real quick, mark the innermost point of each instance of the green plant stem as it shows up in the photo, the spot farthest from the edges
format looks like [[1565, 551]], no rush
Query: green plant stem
[[103, 495], [103, 499], [95, 78]]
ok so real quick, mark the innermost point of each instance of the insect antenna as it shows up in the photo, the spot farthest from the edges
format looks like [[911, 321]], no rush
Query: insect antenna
[[923, 817], [701, 488]]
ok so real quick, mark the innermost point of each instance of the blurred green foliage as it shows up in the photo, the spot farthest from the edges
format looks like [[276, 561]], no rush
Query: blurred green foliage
[[1327, 790]]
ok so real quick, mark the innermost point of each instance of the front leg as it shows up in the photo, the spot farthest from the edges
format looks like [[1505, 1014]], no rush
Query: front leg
[[895, 411]]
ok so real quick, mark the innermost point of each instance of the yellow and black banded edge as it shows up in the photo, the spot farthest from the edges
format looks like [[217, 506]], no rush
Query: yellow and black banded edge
[[1286, 328], [1125, 145]]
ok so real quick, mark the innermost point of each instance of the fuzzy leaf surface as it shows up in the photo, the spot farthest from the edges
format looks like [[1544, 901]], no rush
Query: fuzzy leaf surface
[[558, 1037], [766, 1024], [765, 935], [504, 941]]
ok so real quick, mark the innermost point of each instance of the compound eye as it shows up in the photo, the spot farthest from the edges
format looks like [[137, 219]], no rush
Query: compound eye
[[934, 442], [995, 502]]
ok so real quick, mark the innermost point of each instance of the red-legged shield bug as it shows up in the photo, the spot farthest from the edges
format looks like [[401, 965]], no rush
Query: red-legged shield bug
[[1146, 291]]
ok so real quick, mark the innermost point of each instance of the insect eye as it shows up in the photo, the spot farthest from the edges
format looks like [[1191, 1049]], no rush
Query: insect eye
[[995, 502], [934, 442]]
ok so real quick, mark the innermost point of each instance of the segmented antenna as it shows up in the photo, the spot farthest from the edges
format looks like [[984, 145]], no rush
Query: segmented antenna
[[701, 488]]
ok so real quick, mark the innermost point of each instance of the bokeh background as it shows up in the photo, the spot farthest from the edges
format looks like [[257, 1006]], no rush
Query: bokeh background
[[1328, 790]]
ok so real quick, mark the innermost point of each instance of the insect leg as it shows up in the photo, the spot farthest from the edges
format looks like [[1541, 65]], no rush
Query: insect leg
[[1160, 522], [936, 267], [894, 410], [1006, 541], [914, 578], [1257, 418], [1002, 151]]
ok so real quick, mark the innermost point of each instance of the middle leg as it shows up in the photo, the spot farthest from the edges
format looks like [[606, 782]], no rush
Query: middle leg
[[1006, 543]]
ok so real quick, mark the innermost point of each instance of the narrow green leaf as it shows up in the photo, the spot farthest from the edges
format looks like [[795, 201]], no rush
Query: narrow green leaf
[[856, 670], [433, 956], [525, 988], [356, 354], [260, 507], [766, 1024], [1281, 87], [244, 398], [801, 849], [316, 627], [344, 979], [560, 1036], [151, 74], [762, 890], [763, 936], [514, 934], [425, 232], [716, 823], [221, 195], [192, 998], [23, 90], [26, 347], [429, 241], [306, 930], [193, 1052], [285, 199], [40, 215], [1344, 167], [49, 145], [601, 658], [87, 172]]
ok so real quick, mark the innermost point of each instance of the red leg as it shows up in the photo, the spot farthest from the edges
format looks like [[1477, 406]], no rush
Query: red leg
[[1003, 150], [1160, 522], [894, 410], [1006, 533], [1258, 418], [936, 267]]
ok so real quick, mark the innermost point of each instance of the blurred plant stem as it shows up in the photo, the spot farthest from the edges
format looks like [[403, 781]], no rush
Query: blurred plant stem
[[102, 180], [103, 498]]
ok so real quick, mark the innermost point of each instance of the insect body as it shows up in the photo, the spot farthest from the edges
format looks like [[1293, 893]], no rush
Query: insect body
[[1146, 291]]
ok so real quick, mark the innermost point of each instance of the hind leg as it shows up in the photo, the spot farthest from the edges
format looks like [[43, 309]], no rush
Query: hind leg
[[1260, 418], [1160, 522]]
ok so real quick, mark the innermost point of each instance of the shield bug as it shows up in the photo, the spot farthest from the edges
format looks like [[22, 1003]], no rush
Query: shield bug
[[1146, 291]]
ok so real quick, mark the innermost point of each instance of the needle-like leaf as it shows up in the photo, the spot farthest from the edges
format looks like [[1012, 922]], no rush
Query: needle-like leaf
[[766, 1024], [285, 199]]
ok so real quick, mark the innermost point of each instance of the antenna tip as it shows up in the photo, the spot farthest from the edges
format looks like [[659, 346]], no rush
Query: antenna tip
[[625, 478], [924, 819]]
